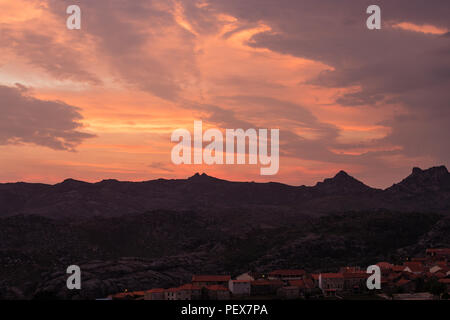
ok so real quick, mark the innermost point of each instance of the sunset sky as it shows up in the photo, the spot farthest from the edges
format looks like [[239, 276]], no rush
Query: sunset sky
[[101, 102]]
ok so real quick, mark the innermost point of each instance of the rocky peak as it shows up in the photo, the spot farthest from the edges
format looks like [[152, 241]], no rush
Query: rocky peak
[[202, 178], [440, 171], [435, 178], [342, 182]]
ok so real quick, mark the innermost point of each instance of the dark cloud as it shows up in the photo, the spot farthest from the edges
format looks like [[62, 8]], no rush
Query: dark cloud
[[25, 119], [389, 65]]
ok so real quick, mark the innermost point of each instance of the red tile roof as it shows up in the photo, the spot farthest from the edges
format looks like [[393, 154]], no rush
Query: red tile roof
[[393, 276], [241, 281], [354, 275], [287, 273], [332, 275], [309, 283], [384, 265], [267, 283], [132, 295], [398, 268], [349, 269], [414, 276], [122, 295], [441, 264], [216, 287], [209, 278], [402, 282], [302, 284], [414, 266], [297, 283], [190, 286], [442, 251], [156, 290]]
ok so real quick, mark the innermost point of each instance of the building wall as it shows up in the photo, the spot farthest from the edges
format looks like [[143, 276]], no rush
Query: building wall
[[239, 288], [288, 293], [154, 296], [331, 283]]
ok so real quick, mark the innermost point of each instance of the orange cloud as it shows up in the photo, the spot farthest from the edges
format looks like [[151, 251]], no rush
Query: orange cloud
[[426, 28]]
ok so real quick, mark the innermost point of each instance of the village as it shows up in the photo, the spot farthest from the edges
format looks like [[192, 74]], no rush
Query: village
[[424, 278]]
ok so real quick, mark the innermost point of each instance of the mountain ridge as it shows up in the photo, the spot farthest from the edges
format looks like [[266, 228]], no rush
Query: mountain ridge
[[422, 190], [442, 169]]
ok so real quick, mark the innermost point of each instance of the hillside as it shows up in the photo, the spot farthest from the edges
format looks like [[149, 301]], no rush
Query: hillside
[[139, 235]]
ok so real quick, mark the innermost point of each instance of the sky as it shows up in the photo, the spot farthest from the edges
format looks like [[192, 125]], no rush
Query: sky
[[102, 102]]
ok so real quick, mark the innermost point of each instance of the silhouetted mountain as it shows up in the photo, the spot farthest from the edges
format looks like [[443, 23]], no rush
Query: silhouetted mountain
[[342, 183], [436, 179], [423, 190], [203, 178]]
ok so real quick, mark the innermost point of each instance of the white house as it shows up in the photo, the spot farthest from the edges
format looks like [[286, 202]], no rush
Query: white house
[[239, 287], [245, 276]]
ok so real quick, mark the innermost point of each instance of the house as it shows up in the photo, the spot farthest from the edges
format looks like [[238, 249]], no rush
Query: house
[[414, 267], [246, 276], [217, 292], [355, 281], [405, 285], [265, 287], [286, 275], [315, 278], [350, 269], [331, 283], [289, 293], [240, 288], [386, 269], [209, 280], [392, 277], [305, 286], [185, 292], [154, 294], [435, 269], [171, 294], [384, 265], [443, 253], [439, 266], [127, 295], [398, 269], [446, 281], [189, 292]]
